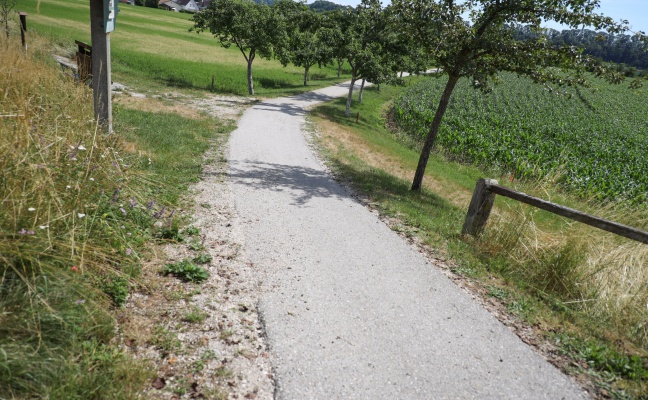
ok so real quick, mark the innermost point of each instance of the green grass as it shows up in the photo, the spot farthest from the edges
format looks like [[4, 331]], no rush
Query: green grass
[[548, 272], [153, 49], [79, 215], [187, 271]]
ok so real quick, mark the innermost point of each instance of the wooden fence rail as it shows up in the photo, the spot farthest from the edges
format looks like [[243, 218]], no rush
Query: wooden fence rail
[[484, 197]]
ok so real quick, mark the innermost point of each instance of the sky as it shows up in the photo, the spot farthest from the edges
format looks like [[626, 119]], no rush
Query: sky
[[635, 11]]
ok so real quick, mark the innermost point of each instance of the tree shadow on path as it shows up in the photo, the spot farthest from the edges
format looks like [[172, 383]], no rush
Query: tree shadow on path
[[302, 183]]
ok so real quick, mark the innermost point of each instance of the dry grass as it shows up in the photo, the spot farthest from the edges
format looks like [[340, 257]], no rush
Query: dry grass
[[61, 237], [600, 274]]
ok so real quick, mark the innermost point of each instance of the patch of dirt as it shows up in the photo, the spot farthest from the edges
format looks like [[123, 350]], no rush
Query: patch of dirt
[[226, 108], [149, 104], [203, 340]]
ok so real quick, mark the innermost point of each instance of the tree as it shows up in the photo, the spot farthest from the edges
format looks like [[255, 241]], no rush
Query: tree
[[243, 23], [363, 44], [333, 33], [6, 7], [304, 42], [486, 44], [324, 6]]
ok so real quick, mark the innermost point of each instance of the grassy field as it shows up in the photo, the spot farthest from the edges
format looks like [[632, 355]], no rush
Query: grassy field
[[581, 289], [594, 141], [80, 212], [152, 49]]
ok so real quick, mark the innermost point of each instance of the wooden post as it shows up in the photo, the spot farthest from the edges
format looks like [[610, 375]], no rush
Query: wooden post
[[357, 117], [23, 29], [101, 69], [212, 87], [480, 208]]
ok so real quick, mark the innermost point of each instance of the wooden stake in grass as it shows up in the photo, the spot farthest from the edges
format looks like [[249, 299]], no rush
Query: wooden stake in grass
[[480, 208]]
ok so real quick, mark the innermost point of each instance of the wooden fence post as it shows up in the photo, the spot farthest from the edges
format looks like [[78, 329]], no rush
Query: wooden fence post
[[480, 207], [23, 29]]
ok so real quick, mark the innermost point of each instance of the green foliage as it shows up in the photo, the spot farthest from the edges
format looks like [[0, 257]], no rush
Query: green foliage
[[187, 271], [196, 245], [191, 231], [195, 316], [247, 25], [117, 288], [171, 233], [485, 45], [602, 358], [305, 42], [363, 38], [203, 259], [597, 141]]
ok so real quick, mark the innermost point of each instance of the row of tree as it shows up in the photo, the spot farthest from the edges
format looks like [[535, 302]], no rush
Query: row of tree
[[629, 50], [364, 37], [471, 38]]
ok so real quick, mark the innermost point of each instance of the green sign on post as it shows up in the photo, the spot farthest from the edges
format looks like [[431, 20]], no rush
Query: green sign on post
[[110, 13]]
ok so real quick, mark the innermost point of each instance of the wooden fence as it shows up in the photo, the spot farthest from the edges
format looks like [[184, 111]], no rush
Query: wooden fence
[[484, 197]]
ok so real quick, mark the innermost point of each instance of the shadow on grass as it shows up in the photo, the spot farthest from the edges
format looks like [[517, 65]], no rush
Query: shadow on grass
[[334, 112], [174, 81], [419, 208], [268, 83]]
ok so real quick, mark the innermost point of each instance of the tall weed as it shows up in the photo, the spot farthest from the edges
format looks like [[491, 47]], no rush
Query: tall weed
[[68, 222]]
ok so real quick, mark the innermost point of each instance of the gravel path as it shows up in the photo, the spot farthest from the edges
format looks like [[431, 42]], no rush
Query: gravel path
[[350, 310]]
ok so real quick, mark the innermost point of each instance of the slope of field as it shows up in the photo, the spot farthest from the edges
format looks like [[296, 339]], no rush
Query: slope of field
[[156, 45], [595, 139]]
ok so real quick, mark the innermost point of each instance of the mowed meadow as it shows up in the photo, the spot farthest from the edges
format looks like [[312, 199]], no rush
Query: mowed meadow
[[155, 46]]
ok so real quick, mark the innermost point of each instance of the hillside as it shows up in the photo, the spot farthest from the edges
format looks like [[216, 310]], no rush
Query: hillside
[[156, 46]]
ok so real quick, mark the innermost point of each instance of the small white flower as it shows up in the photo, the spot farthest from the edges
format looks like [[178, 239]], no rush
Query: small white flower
[[91, 179], [44, 226], [31, 209], [80, 215], [68, 187], [81, 147]]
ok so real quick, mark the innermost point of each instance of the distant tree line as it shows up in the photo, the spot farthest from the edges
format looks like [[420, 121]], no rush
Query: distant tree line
[[629, 51], [474, 39]]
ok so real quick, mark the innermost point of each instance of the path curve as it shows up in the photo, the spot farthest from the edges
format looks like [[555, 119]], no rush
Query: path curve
[[351, 311]]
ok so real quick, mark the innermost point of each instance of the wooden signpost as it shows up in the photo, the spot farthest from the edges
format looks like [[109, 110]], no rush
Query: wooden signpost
[[102, 21]]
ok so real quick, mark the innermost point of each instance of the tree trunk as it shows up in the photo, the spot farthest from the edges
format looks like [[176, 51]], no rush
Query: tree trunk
[[434, 130], [339, 68], [249, 73], [348, 105], [361, 90], [306, 76], [401, 74]]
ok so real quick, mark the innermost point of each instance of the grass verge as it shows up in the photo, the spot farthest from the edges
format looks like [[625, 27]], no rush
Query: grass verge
[[579, 288], [80, 210], [153, 50]]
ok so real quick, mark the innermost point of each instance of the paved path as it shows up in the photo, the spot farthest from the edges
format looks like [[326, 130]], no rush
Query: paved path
[[352, 311]]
